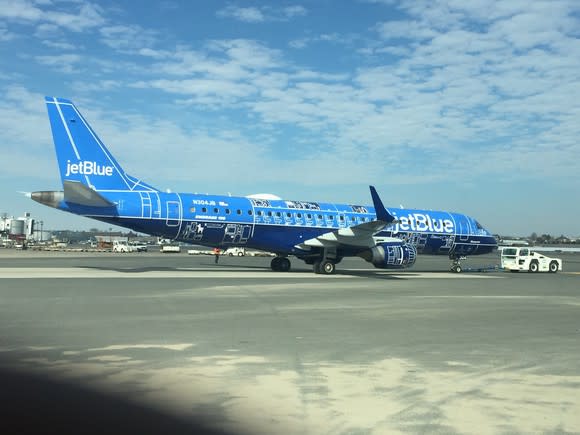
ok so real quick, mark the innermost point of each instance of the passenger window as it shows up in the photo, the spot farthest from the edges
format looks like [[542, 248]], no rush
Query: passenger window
[[299, 215], [216, 210], [239, 211], [250, 212], [227, 211], [204, 210]]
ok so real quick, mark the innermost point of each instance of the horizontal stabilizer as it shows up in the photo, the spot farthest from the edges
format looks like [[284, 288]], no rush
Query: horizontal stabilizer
[[76, 192]]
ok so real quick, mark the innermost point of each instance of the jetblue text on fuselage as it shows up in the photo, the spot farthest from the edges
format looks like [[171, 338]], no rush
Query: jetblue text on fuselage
[[87, 168], [423, 222]]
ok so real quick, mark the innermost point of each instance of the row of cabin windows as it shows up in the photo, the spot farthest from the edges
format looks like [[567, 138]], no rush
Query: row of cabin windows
[[278, 214]]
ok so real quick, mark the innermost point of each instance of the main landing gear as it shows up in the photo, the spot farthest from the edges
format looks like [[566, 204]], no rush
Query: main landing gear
[[324, 267], [456, 264], [280, 264], [326, 263]]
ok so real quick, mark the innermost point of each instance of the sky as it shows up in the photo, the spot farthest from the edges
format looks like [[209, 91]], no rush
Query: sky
[[467, 106]]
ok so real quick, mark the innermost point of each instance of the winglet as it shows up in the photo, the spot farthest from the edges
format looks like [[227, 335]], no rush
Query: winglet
[[380, 210]]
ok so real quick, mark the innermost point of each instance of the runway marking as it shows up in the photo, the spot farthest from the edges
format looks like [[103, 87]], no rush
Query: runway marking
[[224, 273]]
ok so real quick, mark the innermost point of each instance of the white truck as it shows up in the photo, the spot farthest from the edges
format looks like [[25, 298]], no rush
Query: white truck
[[170, 249], [516, 259], [122, 246], [235, 251]]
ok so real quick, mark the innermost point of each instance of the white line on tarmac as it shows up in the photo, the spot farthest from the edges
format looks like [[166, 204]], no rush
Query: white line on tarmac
[[77, 273]]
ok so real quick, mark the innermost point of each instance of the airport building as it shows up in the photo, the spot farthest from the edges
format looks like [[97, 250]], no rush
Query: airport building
[[18, 230]]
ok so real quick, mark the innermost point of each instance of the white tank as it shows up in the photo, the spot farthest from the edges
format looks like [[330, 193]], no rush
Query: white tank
[[17, 227]]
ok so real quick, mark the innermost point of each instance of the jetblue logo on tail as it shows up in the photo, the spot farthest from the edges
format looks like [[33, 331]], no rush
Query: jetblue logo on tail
[[87, 168]]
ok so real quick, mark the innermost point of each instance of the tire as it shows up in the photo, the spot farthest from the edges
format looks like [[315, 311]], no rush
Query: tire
[[284, 265], [534, 267], [554, 267], [240, 254], [280, 264], [327, 268]]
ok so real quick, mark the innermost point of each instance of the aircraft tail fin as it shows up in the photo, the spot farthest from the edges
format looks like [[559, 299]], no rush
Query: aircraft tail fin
[[82, 156]]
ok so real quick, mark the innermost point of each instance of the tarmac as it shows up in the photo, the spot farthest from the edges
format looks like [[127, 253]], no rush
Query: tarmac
[[366, 350]]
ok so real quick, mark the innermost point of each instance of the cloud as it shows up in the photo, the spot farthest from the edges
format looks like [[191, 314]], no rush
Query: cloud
[[65, 63], [85, 15], [261, 14], [247, 15], [128, 38]]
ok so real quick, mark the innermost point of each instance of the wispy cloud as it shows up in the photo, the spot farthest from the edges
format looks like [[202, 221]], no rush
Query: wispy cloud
[[127, 37], [261, 14], [65, 63], [85, 15]]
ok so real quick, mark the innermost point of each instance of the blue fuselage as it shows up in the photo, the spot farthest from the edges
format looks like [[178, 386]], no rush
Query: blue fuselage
[[276, 225]]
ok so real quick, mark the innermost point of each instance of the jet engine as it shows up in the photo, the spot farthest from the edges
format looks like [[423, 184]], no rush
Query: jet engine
[[391, 255]]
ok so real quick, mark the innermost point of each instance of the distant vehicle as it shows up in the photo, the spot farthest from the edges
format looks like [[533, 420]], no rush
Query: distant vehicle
[[235, 251], [170, 249], [516, 259], [138, 247], [122, 246]]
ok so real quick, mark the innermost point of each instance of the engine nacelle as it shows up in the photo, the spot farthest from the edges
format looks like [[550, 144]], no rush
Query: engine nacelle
[[391, 255]]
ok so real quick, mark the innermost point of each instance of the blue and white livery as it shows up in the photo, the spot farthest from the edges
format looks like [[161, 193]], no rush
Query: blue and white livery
[[319, 233]]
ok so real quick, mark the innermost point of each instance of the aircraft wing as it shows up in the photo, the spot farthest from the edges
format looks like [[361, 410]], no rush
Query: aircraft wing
[[358, 235]]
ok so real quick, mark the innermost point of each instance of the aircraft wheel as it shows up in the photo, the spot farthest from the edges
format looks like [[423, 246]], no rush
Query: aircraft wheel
[[457, 268], [534, 266], [327, 268], [284, 265], [275, 264], [554, 266]]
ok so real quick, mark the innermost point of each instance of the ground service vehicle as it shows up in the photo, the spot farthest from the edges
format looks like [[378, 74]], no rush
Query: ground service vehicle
[[171, 249], [516, 259], [235, 251], [122, 246]]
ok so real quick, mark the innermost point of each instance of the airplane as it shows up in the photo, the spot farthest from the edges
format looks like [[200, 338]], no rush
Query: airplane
[[318, 233]]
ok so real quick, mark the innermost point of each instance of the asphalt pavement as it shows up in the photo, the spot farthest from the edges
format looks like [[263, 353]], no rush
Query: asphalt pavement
[[255, 351]]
